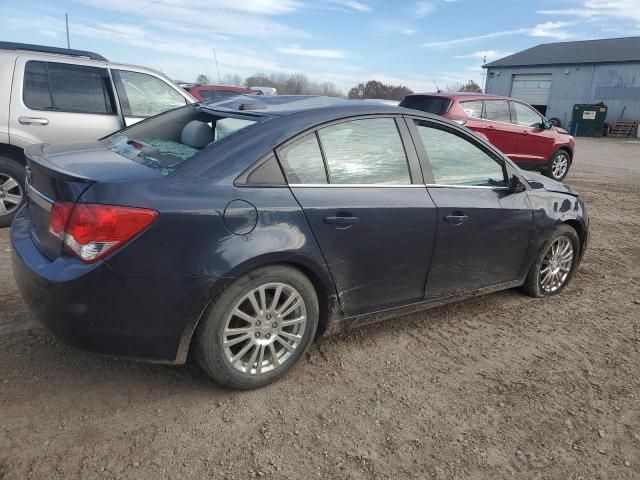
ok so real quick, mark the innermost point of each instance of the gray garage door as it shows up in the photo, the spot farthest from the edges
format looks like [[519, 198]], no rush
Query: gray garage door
[[533, 89]]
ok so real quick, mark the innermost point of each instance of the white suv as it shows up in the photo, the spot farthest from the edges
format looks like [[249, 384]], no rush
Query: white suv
[[52, 94]]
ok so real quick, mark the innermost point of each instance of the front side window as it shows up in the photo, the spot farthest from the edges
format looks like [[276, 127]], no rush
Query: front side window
[[302, 161], [456, 161], [64, 87], [168, 141], [527, 117], [367, 151], [497, 111], [143, 95]]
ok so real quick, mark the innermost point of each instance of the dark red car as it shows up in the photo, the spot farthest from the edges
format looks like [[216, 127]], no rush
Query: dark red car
[[217, 92], [514, 127]]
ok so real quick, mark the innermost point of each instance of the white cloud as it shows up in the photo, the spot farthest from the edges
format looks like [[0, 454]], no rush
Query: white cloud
[[218, 17], [422, 9], [313, 52], [394, 27], [601, 9], [553, 30], [354, 5], [490, 55]]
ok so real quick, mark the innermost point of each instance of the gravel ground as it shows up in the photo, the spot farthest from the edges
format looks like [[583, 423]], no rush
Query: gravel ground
[[503, 386]]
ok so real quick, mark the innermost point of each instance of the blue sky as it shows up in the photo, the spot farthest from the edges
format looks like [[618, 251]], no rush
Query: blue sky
[[342, 41]]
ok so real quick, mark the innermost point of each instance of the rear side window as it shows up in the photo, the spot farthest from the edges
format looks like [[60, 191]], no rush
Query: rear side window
[[302, 161], [435, 105], [67, 88], [368, 151], [456, 161], [497, 111], [167, 141], [472, 108]]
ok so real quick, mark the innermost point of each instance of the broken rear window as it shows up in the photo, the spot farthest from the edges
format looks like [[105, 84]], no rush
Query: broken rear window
[[169, 140]]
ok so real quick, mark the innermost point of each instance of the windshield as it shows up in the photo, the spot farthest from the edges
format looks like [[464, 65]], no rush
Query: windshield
[[435, 105], [169, 140]]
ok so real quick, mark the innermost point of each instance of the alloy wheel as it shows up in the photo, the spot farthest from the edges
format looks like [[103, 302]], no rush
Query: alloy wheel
[[10, 194], [556, 264], [264, 328], [559, 166]]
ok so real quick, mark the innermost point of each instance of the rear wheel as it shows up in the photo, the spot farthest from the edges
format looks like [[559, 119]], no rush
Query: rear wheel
[[559, 165], [11, 189], [258, 328], [555, 264]]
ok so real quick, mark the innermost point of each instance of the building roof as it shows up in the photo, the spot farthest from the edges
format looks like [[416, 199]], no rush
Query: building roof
[[608, 50]]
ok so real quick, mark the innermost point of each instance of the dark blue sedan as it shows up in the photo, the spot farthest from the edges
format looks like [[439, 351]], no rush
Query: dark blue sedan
[[243, 230]]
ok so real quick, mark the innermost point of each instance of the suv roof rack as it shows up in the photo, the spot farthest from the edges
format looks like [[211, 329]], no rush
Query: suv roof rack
[[44, 49]]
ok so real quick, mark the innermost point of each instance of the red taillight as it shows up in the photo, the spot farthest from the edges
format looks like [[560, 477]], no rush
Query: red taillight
[[91, 231]]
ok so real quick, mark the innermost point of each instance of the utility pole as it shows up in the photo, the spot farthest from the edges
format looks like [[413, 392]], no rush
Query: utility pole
[[484, 74], [217, 68], [66, 20]]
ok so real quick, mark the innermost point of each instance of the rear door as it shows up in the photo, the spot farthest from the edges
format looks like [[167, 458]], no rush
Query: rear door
[[535, 143], [367, 205], [60, 102], [483, 228], [497, 127], [143, 95]]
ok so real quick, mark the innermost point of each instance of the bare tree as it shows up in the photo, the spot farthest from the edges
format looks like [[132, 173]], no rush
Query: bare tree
[[292, 84], [376, 89], [202, 79]]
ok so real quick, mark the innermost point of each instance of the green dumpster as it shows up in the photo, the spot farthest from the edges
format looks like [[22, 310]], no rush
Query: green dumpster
[[588, 120]]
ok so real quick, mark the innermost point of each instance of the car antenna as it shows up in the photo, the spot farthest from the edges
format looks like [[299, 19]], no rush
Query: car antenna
[[437, 88]]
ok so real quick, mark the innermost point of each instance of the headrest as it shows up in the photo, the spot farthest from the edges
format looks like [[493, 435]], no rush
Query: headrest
[[197, 134]]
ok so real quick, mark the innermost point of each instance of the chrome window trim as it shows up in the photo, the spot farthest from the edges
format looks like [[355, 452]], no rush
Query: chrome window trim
[[385, 185], [355, 185], [489, 187], [39, 198]]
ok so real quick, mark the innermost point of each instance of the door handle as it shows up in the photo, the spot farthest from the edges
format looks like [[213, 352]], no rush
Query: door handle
[[525, 132], [340, 220], [33, 120], [456, 219], [491, 127]]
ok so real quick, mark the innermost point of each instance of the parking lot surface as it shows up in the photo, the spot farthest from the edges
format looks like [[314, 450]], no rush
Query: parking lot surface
[[502, 386]]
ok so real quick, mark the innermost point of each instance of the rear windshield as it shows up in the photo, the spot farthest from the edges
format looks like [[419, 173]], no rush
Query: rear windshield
[[169, 140], [435, 105]]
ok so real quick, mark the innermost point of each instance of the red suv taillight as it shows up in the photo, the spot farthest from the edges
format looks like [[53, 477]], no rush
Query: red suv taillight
[[91, 231]]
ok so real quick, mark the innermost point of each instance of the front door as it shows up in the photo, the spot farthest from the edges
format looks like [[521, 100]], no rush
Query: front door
[[483, 229], [60, 102], [375, 227], [535, 143]]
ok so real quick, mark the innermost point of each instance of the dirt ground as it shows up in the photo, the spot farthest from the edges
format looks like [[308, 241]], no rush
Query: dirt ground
[[503, 386]]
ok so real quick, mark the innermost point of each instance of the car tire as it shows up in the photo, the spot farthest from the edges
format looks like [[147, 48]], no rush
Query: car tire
[[12, 194], [559, 166], [236, 344], [547, 275]]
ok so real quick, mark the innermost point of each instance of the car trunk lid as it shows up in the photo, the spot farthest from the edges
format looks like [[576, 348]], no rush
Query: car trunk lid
[[62, 173]]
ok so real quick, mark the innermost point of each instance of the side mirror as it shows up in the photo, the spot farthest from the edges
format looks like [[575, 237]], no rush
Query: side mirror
[[516, 185], [547, 125]]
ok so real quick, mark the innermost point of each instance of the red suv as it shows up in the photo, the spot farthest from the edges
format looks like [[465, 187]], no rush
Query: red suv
[[217, 92], [514, 127]]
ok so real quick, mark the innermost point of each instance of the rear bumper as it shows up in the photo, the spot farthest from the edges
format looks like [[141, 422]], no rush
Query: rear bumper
[[94, 308]]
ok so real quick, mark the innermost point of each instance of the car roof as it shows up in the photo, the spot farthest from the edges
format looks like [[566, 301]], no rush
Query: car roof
[[283, 105], [460, 95], [219, 87]]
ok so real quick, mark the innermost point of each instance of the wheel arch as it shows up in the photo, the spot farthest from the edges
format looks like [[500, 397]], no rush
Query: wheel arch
[[578, 227], [318, 276], [12, 152]]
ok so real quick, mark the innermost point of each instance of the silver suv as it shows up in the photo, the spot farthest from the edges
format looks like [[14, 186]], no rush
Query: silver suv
[[52, 94]]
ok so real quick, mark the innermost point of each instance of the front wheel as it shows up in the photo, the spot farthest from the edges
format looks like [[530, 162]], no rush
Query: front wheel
[[559, 166], [11, 189], [258, 328], [555, 264]]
